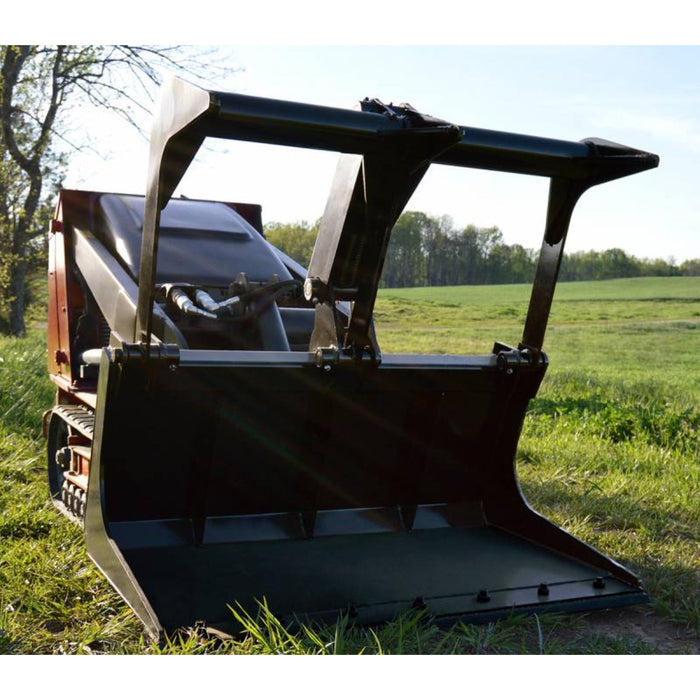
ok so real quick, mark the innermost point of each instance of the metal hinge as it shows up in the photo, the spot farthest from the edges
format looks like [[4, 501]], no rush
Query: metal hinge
[[328, 357], [164, 352], [508, 359]]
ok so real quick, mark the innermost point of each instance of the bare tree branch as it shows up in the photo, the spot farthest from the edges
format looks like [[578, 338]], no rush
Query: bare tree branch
[[38, 85], [11, 67]]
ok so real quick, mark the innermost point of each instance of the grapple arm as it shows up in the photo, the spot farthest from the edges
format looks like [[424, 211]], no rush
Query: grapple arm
[[388, 150]]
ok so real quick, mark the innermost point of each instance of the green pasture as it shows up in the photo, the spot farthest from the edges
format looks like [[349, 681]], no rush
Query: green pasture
[[635, 289], [630, 327], [609, 451]]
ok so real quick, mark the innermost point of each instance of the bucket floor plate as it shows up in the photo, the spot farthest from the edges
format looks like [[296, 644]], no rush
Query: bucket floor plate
[[376, 574]]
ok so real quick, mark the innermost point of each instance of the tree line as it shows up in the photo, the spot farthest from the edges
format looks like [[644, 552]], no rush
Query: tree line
[[431, 251], [41, 86]]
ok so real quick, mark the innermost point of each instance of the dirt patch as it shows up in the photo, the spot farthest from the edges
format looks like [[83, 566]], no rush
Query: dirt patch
[[643, 623]]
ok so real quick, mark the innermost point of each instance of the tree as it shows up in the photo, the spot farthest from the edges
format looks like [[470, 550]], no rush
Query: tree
[[404, 265], [296, 240], [37, 85], [690, 268], [436, 247], [470, 254]]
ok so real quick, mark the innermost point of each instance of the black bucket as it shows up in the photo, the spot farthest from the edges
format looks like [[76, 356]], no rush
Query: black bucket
[[230, 477]]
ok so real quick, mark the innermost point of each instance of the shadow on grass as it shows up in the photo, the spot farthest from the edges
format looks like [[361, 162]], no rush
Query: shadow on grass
[[659, 547]]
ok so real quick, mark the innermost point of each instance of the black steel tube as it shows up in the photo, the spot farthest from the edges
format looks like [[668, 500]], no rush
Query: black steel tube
[[517, 153], [280, 122], [264, 120]]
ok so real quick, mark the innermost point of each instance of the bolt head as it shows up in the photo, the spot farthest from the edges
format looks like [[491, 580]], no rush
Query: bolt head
[[483, 596], [308, 289]]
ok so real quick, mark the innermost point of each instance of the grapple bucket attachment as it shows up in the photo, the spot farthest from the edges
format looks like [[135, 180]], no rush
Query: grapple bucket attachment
[[336, 479], [238, 476]]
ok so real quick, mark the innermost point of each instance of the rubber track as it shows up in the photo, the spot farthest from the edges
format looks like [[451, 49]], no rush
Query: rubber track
[[82, 419]]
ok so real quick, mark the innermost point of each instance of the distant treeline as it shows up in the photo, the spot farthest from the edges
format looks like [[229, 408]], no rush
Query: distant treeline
[[431, 251]]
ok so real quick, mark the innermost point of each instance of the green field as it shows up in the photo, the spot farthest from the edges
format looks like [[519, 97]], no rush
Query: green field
[[609, 451]]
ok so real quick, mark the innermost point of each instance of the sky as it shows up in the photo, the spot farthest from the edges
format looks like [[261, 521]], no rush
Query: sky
[[647, 97]]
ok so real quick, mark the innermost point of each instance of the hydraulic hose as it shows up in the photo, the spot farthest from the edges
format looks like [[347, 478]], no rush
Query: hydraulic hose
[[270, 291]]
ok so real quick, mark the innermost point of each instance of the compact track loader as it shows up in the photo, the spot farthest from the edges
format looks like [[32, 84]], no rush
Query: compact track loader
[[226, 425]]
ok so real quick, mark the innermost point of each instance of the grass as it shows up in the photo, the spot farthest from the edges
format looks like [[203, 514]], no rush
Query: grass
[[609, 450], [634, 289]]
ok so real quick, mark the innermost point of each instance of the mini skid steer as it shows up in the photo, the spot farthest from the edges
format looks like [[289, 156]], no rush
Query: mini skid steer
[[226, 426]]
